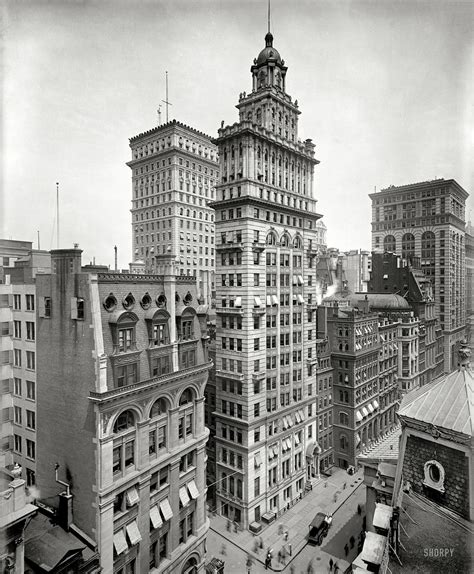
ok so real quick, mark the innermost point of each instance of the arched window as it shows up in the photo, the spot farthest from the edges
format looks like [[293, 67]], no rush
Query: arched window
[[389, 244], [124, 421], [271, 238], [408, 246], [344, 419], [191, 564], [285, 241], [160, 407], [158, 432], [343, 442], [186, 398], [186, 415], [123, 457], [428, 252], [297, 244]]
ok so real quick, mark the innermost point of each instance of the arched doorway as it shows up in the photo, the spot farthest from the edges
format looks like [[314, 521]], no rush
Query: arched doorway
[[313, 450]]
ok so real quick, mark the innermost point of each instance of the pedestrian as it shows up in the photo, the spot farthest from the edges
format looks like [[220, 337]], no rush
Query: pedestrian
[[286, 535], [223, 550], [344, 486], [289, 548], [335, 497], [346, 549], [256, 546], [310, 569], [336, 568], [228, 526], [331, 563], [279, 557], [359, 509], [261, 542]]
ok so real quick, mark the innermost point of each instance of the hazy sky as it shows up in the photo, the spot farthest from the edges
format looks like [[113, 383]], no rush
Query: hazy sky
[[385, 89]]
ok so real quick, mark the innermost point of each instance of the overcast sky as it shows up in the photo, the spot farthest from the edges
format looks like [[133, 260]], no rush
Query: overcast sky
[[384, 87]]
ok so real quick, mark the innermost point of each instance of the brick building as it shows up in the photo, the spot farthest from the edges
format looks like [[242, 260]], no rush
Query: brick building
[[174, 171], [267, 240], [122, 364], [426, 222]]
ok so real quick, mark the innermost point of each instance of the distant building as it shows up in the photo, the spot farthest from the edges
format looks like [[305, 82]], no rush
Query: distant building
[[18, 368], [122, 365], [470, 285], [426, 221], [10, 251], [355, 347], [174, 172], [356, 267], [391, 274]]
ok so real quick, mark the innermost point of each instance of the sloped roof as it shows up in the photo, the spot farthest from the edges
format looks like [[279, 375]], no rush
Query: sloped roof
[[48, 545], [447, 403]]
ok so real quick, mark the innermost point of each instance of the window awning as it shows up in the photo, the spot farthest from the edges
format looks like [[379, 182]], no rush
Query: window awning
[[290, 421], [120, 543], [288, 442], [166, 509], [274, 300], [269, 300], [284, 422], [295, 280], [257, 302], [359, 417], [152, 250], [192, 489], [257, 460], [365, 412], [132, 496], [376, 404], [133, 533], [297, 440], [155, 517], [357, 438], [300, 298], [184, 496], [370, 407], [298, 417], [238, 302], [300, 280]]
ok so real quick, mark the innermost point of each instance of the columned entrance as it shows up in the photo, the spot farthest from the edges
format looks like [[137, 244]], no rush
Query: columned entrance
[[313, 450]]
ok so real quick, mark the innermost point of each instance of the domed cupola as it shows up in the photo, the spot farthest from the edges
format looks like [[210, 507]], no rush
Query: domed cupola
[[268, 69]]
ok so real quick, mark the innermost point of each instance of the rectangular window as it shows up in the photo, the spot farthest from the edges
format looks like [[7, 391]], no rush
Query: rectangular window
[[18, 443], [30, 331], [30, 449], [126, 339], [17, 387], [127, 375], [17, 329], [17, 357], [17, 302], [47, 306], [17, 415], [30, 302], [30, 419]]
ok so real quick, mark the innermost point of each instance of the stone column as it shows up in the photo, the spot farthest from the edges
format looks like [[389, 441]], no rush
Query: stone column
[[173, 428], [199, 416]]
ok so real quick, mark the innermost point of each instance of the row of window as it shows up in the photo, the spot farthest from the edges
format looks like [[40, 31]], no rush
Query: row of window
[[29, 302], [30, 330], [30, 451], [30, 388], [30, 359]]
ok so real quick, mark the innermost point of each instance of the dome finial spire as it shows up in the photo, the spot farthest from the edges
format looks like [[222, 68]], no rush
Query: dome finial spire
[[269, 16]]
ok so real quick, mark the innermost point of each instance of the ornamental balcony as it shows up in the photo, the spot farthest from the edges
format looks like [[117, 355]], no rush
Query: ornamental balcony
[[230, 246], [258, 246], [229, 375], [230, 310]]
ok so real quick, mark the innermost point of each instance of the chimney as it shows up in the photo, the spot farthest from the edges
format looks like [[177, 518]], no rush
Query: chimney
[[65, 511], [321, 322], [66, 261]]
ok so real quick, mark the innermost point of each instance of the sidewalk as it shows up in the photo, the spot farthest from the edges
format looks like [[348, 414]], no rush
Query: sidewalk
[[296, 520]]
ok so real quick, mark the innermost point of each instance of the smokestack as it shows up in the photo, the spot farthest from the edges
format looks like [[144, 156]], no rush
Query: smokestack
[[116, 266]]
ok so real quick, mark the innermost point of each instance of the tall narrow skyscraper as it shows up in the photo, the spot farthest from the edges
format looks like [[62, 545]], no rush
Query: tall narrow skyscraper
[[266, 245]]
